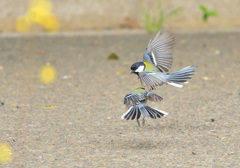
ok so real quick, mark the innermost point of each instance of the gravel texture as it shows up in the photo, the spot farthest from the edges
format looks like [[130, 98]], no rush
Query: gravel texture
[[76, 121]]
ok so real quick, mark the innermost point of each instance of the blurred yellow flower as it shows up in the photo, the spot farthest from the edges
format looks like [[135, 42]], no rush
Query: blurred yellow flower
[[6, 154], [39, 12], [51, 23], [47, 74]]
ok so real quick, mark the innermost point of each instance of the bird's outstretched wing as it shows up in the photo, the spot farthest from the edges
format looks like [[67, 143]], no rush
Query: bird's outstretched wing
[[159, 51], [133, 99], [153, 97], [151, 80]]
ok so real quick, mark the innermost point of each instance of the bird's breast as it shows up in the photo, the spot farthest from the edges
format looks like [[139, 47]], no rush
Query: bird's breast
[[150, 67]]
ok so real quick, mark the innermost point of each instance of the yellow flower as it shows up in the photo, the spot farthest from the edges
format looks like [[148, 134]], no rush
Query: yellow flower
[[39, 12], [51, 23]]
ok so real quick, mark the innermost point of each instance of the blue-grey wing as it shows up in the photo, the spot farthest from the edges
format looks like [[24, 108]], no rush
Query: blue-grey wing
[[159, 51], [133, 99], [153, 97], [151, 80]]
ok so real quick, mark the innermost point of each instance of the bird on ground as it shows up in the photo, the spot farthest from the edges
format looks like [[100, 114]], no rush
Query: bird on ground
[[157, 61], [135, 102]]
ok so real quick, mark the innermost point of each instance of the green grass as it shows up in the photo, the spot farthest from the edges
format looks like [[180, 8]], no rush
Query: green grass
[[155, 22], [207, 13]]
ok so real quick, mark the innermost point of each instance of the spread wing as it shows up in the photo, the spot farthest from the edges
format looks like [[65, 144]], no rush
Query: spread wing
[[151, 80], [153, 97], [133, 99], [160, 51]]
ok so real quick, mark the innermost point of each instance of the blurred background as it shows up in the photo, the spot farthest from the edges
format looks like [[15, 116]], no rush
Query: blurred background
[[75, 15]]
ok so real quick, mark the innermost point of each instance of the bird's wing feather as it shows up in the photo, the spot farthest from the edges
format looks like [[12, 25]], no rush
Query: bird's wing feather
[[151, 80], [153, 97], [160, 51], [133, 99]]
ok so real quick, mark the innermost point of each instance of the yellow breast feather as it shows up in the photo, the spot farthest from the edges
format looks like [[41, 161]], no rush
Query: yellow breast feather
[[150, 67]]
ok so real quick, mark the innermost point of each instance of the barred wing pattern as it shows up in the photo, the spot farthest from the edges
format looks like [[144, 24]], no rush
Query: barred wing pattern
[[153, 97], [160, 51], [151, 80], [133, 99]]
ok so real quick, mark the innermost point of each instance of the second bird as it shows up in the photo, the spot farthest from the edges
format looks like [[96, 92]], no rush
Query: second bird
[[136, 100]]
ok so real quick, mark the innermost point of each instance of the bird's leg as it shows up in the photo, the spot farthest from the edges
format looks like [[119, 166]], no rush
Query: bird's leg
[[138, 123], [143, 121]]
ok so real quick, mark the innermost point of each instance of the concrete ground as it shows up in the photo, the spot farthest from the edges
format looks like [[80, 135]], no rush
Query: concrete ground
[[76, 121]]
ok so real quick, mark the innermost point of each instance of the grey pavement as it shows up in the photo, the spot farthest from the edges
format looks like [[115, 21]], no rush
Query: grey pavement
[[84, 127]]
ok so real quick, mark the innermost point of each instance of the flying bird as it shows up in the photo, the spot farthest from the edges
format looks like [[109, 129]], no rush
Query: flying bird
[[157, 61], [135, 102]]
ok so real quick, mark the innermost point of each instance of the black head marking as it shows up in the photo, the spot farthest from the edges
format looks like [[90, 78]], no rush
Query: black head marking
[[136, 65]]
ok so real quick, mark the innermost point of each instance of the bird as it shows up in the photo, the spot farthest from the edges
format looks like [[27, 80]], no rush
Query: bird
[[157, 61], [135, 102]]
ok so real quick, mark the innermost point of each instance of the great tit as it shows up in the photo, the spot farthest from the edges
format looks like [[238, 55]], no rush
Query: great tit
[[135, 102], [157, 60]]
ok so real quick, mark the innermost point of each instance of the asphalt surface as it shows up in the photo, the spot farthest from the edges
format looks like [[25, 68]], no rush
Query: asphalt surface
[[76, 121]]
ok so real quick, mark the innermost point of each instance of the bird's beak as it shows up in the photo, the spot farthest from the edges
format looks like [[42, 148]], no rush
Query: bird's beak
[[131, 71]]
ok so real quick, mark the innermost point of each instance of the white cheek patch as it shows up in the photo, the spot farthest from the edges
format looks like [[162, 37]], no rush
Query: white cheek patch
[[140, 68]]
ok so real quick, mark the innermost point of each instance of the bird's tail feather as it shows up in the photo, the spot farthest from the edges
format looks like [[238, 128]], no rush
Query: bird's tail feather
[[132, 113], [137, 110], [181, 76], [155, 113]]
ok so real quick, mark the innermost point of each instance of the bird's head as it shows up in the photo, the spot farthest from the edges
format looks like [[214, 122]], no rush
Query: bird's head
[[137, 67]]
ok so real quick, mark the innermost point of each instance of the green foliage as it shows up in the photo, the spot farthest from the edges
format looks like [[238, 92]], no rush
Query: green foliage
[[154, 23], [207, 13]]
